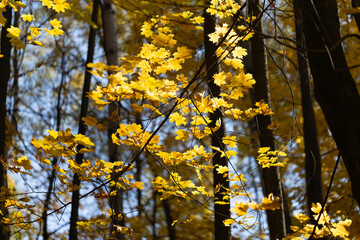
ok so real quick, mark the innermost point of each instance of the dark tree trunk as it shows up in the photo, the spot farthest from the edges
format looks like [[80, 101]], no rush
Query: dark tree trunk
[[4, 80], [312, 152], [111, 52], [334, 87], [271, 179], [169, 219], [82, 128], [221, 211]]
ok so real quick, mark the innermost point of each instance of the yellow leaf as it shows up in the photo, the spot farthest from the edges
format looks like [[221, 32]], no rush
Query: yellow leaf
[[270, 203], [24, 162], [27, 17], [138, 185], [90, 121], [263, 150], [182, 135], [240, 208], [222, 169], [220, 78], [60, 5], [13, 32], [316, 207], [178, 119], [301, 217], [83, 140], [53, 133], [230, 141], [228, 222]]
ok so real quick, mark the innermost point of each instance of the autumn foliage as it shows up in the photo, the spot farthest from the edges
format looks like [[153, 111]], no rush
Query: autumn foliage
[[163, 126]]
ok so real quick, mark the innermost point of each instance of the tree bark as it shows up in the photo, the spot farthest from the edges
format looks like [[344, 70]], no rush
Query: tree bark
[[111, 52], [4, 80], [221, 183], [82, 128], [271, 179], [312, 152], [334, 87]]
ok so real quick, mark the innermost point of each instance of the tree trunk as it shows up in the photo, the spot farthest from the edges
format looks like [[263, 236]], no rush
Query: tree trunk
[[221, 183], [54, 161], [111, 52], [82, 128], [169, 219], [4, 80], [334, 87], [271, 180], [312, 152]]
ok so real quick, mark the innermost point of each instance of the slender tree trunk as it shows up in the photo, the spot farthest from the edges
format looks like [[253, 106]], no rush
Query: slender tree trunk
[[169, 219], [334, 87], [111, 51], [139, 165], [54, 161], [153, 224], [82, 128], [312, 152], [4, 80], [221, 183], [271, 179]]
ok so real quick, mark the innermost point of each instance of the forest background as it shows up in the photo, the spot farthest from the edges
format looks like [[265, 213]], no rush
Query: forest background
[[179, 119]]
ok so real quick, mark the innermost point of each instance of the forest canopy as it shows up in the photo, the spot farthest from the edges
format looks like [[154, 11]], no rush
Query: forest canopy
[[153, 119]]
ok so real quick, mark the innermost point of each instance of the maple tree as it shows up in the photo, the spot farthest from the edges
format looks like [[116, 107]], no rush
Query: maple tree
[[180, 119]]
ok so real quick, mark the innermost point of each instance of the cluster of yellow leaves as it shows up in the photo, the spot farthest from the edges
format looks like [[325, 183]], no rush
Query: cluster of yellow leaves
[[56, 5], [14, 32], [223, 8], [63, 143], [174, 186], [241, 209], [94, 224], [14, 35], [18, 164], [134, 135], [269, 158], [324, 228], [16, 206], [56, 30]]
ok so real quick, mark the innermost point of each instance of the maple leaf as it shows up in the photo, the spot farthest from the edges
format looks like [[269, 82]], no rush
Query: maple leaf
[[178, 119], [219, 78], [239, 52], [27, 17], [83, 140], [240, 208], [90, 121], [55, 23], [198, 20], [13, 32], [230, 141], [182, 135], [222, 169], [228, 222], [24, 162], [270, 203], [52, 133], [60, 5], [47, 3]]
